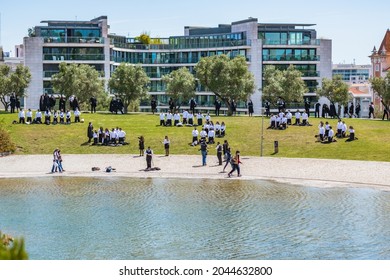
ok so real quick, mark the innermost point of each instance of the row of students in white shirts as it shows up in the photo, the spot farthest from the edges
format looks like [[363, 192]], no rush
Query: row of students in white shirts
[[58, 116], [326, 132], [106, 137], [208, 137], [301, 118], [185, 118]]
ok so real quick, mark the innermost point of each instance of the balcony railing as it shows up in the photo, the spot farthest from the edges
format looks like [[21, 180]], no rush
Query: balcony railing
[[63, 57], [234, 43], [291, 58], [160, 61], [315, 42], [78, 40]]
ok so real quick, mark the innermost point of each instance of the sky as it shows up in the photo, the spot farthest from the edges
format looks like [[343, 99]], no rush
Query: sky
[[354, 26]]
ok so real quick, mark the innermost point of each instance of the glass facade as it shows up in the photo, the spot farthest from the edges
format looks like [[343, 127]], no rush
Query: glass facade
[[290, 55], [73, 53], [287, 38]]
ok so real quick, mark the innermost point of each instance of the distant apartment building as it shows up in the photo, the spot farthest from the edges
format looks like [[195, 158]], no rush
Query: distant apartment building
[[262, 44]]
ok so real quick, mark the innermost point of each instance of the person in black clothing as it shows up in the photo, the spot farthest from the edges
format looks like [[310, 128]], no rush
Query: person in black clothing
[[62, 104], [250, 107], [192, 105], [233, 107], [267, 109], [90, 132], [52, 102], [149, 157], [13, 103], [371, 110], [317, 110], [42, 107], [357, 110], [351, 110], [307, 107], [217, 106], [153, 105], [171, 104], [332, 111], [325, 111], [219, 153], [93, 103], [385, 113], [17, 104]]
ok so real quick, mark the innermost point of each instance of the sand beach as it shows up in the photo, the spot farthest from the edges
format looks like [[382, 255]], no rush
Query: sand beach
[[302, 171]]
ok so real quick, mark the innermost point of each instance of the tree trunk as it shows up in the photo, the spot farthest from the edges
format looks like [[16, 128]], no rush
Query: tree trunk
[[5, 103], [229, 107]]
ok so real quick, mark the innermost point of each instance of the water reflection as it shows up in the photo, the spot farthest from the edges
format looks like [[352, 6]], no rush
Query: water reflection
[[122, 218]]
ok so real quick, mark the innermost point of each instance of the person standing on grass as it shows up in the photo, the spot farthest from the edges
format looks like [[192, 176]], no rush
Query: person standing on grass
[[149, 157], [90, 132], [141, 145], [166, 143], [371, 110], [21, 116]]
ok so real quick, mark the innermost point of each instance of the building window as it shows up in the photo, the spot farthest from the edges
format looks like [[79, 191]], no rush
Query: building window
[[377, 67]]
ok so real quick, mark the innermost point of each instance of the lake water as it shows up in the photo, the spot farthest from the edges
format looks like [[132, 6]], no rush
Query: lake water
[[126, 218]]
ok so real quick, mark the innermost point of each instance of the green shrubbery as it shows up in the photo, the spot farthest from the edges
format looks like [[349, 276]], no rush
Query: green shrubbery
[[12, 249], [6, 145]]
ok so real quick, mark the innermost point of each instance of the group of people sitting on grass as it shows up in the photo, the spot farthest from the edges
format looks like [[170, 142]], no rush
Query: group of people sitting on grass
[[48, 117], [283, 120], [326, 133], [187, 118], [105, 137], [208, 133]]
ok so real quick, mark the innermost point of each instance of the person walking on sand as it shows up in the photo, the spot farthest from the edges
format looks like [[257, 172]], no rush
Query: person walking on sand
[[149, 157], [166, 143], [141, 145], [235, 165]]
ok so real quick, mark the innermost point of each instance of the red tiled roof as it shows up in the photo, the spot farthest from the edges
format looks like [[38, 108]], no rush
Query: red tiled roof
[[355, 90]]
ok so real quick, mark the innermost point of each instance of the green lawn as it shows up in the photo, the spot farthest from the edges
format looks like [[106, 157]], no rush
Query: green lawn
[[243, 133]]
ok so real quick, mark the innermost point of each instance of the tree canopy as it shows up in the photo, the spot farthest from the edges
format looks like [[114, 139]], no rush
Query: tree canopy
[[229, 79], [381, 85], [13, 82], [335, 89], [285, 84], [129, 83], [82, 81], [180, 85]]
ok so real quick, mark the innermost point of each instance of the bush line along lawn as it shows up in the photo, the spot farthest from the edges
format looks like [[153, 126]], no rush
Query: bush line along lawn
[[243, 133]]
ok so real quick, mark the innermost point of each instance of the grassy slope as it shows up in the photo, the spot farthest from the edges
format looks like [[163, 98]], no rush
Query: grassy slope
[[243, 133]]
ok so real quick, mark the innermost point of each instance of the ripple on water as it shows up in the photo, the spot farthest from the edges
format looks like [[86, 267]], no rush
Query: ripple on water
[[125, 218]]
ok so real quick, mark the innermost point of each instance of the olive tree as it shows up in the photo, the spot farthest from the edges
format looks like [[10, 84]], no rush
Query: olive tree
[[180, 85], [229, 79], [129, 83]]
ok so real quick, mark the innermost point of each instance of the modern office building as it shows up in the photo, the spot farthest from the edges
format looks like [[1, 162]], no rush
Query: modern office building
[[262, 44], [357, 77], [352, 73]]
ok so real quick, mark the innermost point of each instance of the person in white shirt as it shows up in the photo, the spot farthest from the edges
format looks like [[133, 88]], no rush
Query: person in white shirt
[[327, 128], [330, 135], [208, 117], [305, 118], [297, 118], [185, 116], [95, 138], [113, 136], [272, 122], [284, 122], [121, 136], [21, 116], [339, 128], [38, 116], [203, 135], [217, 129], [47, 116], [77, 114], [169, 119], [351, 134], [190, 119], [321, 132], [289, 117], [278, 121], [211, 136], [344, 130], [68, 116], [29, 116], [223, 129], [176, 118], [195, 134], [55, 117], [199, 117], [206, 127], [162, 119], [62, 116]]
